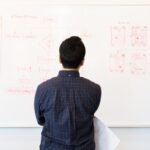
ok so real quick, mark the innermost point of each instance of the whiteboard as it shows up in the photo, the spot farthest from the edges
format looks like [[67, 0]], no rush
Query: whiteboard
[[117, 40]]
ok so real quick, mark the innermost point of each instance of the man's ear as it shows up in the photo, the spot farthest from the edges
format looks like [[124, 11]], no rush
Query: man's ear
[[60, 60], [82, 62]]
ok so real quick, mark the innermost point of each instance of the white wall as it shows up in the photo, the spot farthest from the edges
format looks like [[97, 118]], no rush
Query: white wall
[[29, 138]]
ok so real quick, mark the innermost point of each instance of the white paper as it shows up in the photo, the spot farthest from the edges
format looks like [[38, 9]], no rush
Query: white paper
[[105, 139]]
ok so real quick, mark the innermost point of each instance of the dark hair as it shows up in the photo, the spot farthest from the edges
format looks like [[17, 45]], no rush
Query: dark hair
[[72, 52]]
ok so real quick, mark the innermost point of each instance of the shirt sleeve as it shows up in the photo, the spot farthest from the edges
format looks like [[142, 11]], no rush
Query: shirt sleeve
[[39, 96]]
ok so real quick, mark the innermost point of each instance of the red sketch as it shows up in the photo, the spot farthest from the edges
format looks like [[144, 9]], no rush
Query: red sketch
[[43, 67], [138, 63], [24, 80], [25, 27], [43, 60], [21, 35], [117, 62], [118, 35], [25, 68], [21, 27], [139, 36], [47, 42], [48, 20], [44, 70], [21, 90], [86, 35], [24, 17]]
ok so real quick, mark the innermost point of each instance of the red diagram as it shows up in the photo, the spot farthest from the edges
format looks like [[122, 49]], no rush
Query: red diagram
[[139, 36], [43, 64], [138, 63], [117, 62], [47, 42], [118, 35]]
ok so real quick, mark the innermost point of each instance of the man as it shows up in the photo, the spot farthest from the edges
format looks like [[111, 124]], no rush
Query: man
[[65, 105]]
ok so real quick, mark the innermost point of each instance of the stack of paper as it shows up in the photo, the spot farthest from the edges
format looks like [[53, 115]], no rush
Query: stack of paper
[[105, 139]]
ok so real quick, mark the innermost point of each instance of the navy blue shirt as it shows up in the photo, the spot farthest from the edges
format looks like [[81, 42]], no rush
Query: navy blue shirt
[[65, 107]]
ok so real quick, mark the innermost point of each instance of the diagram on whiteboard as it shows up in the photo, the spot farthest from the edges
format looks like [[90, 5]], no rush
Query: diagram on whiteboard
[[117, 58], [130, 49]]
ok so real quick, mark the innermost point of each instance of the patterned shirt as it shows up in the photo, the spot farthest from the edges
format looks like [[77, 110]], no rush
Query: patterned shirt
[[65, 107]]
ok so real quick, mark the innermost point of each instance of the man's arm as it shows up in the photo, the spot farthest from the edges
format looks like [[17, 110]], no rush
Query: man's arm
[[39, 96], [98, 97]]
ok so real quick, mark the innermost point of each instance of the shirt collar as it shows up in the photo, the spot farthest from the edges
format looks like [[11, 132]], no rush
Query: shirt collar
[[68, 73]]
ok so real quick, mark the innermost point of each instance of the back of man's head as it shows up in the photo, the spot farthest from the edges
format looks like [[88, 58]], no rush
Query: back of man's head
[[72, 52]]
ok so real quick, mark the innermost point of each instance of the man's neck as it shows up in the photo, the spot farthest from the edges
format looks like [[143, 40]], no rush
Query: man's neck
[[70, 69]]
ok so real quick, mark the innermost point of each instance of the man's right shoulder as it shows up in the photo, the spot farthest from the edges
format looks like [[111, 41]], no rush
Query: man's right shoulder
[[90, 83]]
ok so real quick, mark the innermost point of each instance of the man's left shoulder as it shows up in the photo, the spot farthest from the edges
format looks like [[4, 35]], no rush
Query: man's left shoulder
[[47, 83]]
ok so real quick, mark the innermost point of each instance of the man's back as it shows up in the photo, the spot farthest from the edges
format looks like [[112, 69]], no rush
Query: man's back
[[65, 106]]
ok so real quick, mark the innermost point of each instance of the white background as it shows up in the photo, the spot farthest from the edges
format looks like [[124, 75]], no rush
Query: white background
[[30, 39]]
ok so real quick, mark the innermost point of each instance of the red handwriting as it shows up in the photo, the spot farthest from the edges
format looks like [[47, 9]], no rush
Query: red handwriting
[[27, 26], [21, 35], [24, 17], [24, 81], [25, 68], [20, 90]]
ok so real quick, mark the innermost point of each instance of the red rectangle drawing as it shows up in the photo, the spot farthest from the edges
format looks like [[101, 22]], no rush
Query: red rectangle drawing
[[118, 35], [138, 63], [117, 62], [139, 36]]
